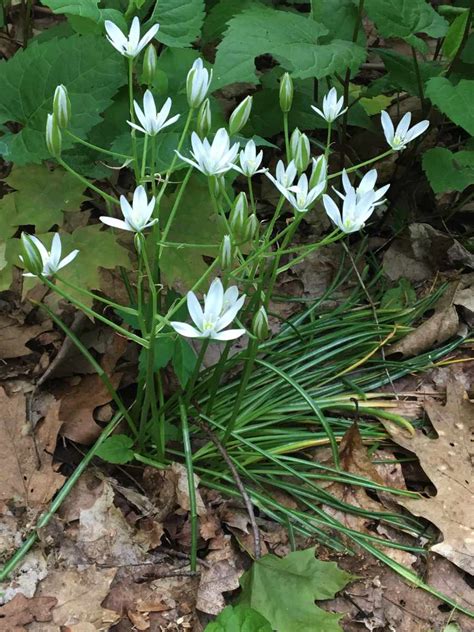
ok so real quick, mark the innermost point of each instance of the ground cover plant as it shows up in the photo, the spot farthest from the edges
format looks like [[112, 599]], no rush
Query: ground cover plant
[[172, 169]]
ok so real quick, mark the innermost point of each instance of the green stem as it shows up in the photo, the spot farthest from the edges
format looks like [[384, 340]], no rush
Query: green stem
[[389, 152], [78, 139], [174, 209], [144, 157], [287, 137], [153, 165], [46, 517], [252, 198], [132, 117], [90, 312], [252, 353], [195, 374], [87, 183], [328, 141], [96, 297], [191, 488]]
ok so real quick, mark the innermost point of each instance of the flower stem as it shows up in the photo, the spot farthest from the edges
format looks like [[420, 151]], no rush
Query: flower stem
[[87, 183], [287, 137], [188, 454], [132, 117], [389, 152], [78, 139]]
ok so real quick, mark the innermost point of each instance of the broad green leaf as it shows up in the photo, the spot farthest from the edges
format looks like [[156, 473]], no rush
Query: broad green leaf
[[399, 297], [292, 39], [180, 22], [454, 101], [455, 34], [116, 449], [406, 18], [448, 171], [195, 223], [283, 590], [88, 66], [41, 196], [85, 16], [239, 619], [184, 360], [339, 17], [220, 14], [162, 353], [401, 71]]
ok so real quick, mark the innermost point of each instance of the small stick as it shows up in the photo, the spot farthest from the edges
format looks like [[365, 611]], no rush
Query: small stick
[[238, 481]]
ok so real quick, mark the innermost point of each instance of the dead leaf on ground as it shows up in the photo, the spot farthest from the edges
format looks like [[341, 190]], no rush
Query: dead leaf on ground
[[447, 461], [14, 334], [423, 252], [79, 595], [440, 327], [20, 611], [222, 575], [29, 475], [81, 396], [26, 577]]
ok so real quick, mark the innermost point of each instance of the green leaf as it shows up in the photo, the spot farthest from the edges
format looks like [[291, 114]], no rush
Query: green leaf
[[116, 449], [455, 34], [401, 71], [220, 14], [339, 17], [283, 590], [85, 16], [184, 360], [180, 22], [454, 101], [399, 297], [291, 38], [448, 171], [194, 223], [162, 353], [88, 66], [406, 18], [239, 619], [41, 196]]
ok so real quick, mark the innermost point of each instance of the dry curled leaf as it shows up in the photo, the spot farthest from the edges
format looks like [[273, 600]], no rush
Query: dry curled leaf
[[447, 461]]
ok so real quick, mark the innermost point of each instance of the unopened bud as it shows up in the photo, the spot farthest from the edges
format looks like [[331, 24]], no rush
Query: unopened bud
[[226, 253], [251, 227], [204, 119], [240, 116], [318, 172], [300, 150], [239, 214], [61, 106], [30, 255], [197, 83], [286, 92], [260, 324], [218, 185], [53, 136], [150, 60]]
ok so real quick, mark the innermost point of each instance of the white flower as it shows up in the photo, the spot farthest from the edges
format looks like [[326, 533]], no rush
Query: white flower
[[132, 45], [220, 309], [151, 120], [197, 83], [250, 161], [50, 260], [284, 177], [300, 195], [400, 137], [137, 216], [355, 212], [366, 185], [332, 107], [212, 159]]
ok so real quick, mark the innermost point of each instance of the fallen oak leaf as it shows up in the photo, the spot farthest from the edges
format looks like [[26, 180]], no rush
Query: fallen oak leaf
[[20, 611], [447, 461]]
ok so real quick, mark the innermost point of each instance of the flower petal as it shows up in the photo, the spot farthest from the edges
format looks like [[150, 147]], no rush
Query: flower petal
[[195, 310], [186, 330], [228, 334], [115, 223]]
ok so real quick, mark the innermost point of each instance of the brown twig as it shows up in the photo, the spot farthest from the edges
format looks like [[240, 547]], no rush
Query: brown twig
[[238, 481]]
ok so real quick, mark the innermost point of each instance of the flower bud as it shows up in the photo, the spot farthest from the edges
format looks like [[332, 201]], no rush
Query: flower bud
[[300, 150], [286, 92], [53, 136], [217, 185], [251, 228], [30, 255], [226, 253], [61, 106], [149, 64], [260, 324], [240, 116], [318, 172], [204, 119], [197, 83], [239, 214]]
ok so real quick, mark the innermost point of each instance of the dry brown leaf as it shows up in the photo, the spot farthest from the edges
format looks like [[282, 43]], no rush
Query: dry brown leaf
[[29, 477], [182, 489], [79, 595], [21, 611], [80, 397], [447, 461], [14, 335], [222, 575]]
